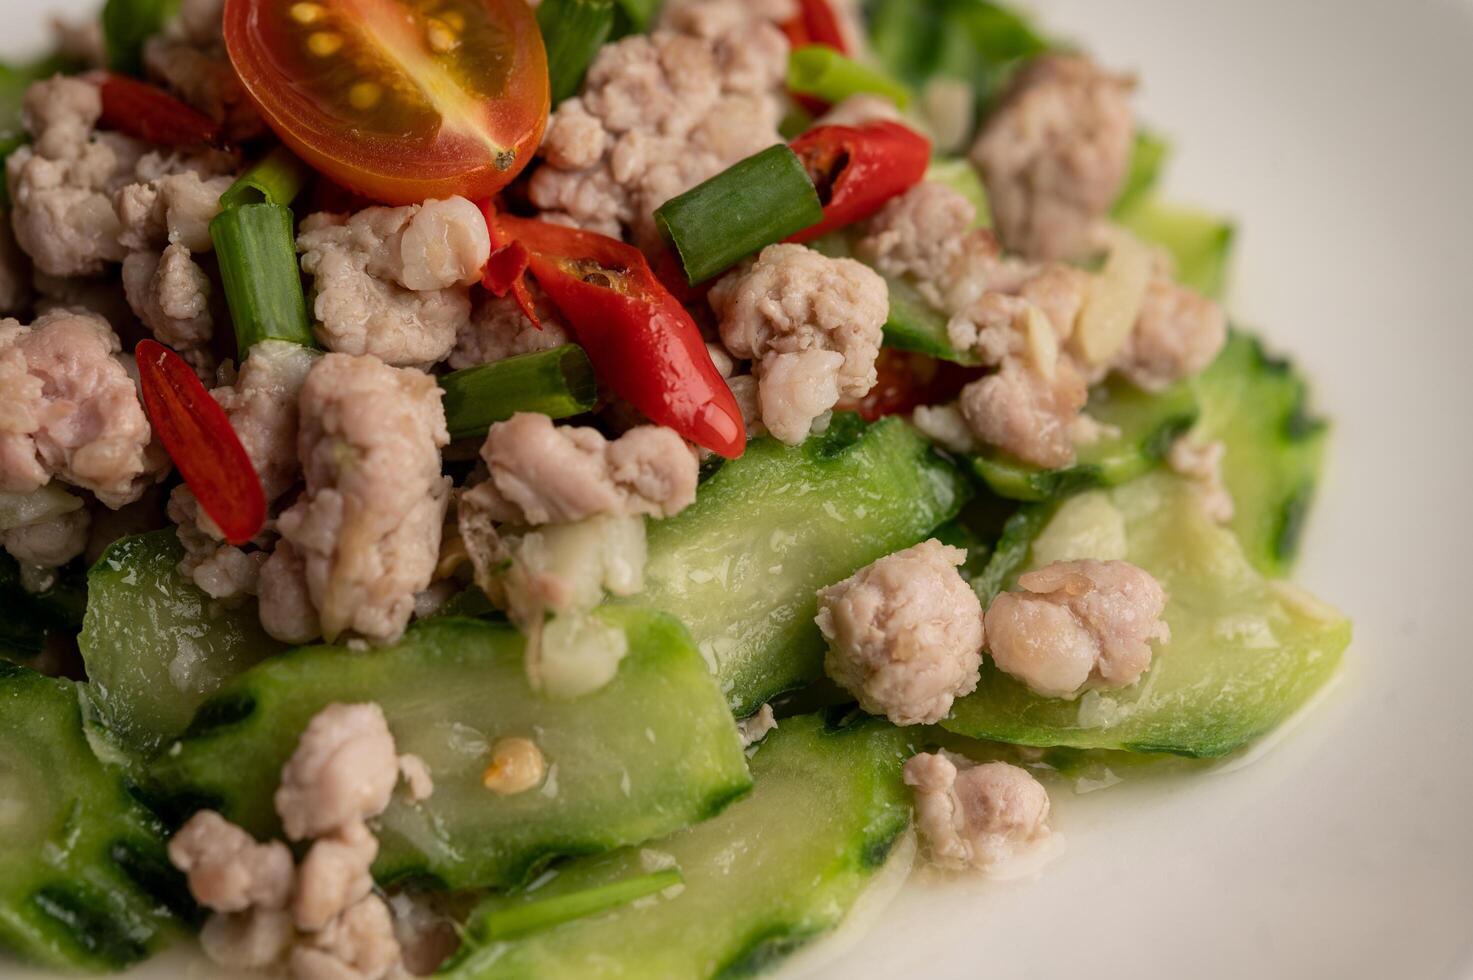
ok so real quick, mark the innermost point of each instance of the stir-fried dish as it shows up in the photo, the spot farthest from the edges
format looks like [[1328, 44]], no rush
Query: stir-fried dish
[[562, 490]]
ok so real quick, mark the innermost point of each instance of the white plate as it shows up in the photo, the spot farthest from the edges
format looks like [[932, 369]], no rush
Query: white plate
[[1341, 136]]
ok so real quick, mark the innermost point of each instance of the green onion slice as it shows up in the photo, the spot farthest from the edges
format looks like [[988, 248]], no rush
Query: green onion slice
[[277, 179], [573, 31], [256, 246], [825, 74], [506, 917], [761, 200], [558, 383]]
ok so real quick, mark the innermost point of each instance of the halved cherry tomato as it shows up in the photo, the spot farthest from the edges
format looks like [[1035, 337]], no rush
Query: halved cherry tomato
[[400, 100]]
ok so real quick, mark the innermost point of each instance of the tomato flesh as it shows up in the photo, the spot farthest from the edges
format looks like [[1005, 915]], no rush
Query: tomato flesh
[[399, 100]]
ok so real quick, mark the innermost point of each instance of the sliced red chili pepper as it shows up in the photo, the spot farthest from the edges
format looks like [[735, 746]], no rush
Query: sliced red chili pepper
[[641, 340], [144, 112], [506, 269], [200, 440], [815, 23], [858, 168]]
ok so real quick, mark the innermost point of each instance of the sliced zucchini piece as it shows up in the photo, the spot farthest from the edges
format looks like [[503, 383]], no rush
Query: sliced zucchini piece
[[775, 871], [1148, 424], [1245, 653], [1258, 405], [654, 750], [1200, 243], [742, 566], [75, 847], [156, 646]]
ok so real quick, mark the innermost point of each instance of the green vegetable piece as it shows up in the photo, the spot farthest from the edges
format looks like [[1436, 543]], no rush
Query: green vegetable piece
[[981, 43], [1201, 244], [1245, 653], [636, 16], [155, 645], [828, 806], [959, 174], [654, 750], [753, 203], [1258, 405], [559, 383], [1146, 165], [276, 179], [913, 323], [76, 850], [820, 71], [256, 246], [1148, 424], [741, 567], [27, 618], [502, 917], [126, 24], [574, 31]]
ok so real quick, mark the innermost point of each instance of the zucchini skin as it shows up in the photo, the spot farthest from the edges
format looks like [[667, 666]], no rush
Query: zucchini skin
[[79, 860], [774, 872], [1258, 405], [743, 565], [653, 751]]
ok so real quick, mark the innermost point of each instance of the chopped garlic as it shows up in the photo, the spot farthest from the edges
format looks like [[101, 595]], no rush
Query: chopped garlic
[[1043, 343], [1114, 301]]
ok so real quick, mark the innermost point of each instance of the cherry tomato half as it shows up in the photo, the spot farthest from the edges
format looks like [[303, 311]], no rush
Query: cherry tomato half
[[400, 100]]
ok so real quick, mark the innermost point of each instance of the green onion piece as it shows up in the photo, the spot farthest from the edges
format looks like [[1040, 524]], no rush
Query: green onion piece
[[558, 383], [506, 917], [126, 24], [761, 200], [256, 246], [820, 71], [573, 31], [277, 179], [636, 16]]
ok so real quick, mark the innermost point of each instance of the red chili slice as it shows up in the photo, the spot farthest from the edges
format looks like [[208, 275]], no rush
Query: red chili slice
[[144, 112], [507, 268], [200, 440], [641, 340], [815, 23], [858, 168]]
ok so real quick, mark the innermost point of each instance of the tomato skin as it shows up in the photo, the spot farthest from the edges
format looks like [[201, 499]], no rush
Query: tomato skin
[[397, 170]]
